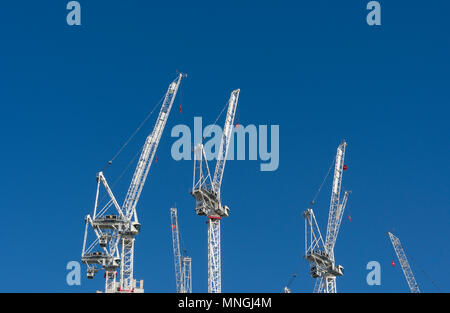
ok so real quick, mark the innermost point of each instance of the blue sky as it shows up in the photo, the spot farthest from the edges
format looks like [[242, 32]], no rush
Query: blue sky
[[70, 97]]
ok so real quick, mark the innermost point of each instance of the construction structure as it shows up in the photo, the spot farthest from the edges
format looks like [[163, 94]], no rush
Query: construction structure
[[206, 191], [318, 253], [116, 226], [183, 263], [287, 288], [413, 286]]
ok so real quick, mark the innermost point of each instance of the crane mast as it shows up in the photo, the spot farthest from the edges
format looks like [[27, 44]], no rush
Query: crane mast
[[320, 253], [183, 266], [115, 231], [206, 191], [407, 271]]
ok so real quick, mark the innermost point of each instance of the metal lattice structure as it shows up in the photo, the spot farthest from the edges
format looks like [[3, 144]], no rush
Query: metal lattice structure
[[116, 226], [183, 265], [320, 253], [206, 191], [187, 274], [407, 271]]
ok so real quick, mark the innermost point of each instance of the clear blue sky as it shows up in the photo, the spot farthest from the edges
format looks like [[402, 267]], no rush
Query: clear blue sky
[[70, 96]]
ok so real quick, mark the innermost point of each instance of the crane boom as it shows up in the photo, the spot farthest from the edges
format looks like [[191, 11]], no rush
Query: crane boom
[[149, 150], [127, 283], [339, 214], [225, 141], [333, 215], [413, 286]]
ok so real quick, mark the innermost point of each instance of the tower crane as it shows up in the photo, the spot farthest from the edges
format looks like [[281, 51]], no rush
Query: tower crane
[[320, 253], [206, 191], [413, 286], [115, 232], [183, 264]]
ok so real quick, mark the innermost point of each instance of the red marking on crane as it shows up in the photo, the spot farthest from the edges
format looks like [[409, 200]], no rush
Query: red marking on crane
[[345, 167], [173, 226], [156, 159], [349, 218], [181, 109], [215, 217], [393, 264], [237, 125]]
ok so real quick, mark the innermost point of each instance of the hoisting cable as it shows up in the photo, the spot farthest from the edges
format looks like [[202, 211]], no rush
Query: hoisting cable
[[220, 114], [125, 169], [132, 135], [125, 144], [426, 275], [183, 246], [323, 182], [123, 147]]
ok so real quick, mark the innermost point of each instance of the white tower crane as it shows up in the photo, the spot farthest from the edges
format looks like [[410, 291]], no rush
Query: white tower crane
[[320, 254], [183, 266], [206, 192], [413, 286], [121, 228]]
